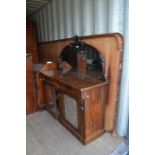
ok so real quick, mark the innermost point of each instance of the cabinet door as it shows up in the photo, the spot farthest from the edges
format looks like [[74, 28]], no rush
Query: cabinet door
[[72, 114], [94, 112], [51, 99], [69, 110], [47, 97]]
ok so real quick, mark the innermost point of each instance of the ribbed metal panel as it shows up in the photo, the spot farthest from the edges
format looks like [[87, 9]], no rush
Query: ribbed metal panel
[[101, 16], [121, 25], [41, 25], [49, 20], [45, 25], [61, 21], [38, 27], [55, 19], [77, 14], [64, 18], [87, 17], [111, 14], [33, 5], [68, 18]]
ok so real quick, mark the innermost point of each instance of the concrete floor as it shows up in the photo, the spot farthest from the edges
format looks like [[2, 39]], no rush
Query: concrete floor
[[46, 136]]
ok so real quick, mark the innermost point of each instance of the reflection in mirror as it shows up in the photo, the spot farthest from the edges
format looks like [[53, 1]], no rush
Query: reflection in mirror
[[70, 106], [94, 60]]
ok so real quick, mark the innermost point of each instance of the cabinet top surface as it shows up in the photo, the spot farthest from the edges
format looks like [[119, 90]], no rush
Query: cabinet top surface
[[75, 80]]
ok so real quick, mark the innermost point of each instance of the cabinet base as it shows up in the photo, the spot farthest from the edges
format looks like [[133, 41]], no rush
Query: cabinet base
[[74, 132]]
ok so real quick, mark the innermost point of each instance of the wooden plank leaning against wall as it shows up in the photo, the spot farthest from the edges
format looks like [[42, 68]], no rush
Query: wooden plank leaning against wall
[[31, 40], [111, 47], [31, 98], [31, 58]]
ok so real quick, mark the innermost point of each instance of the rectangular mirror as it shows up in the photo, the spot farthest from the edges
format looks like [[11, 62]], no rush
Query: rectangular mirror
[[70, 108]]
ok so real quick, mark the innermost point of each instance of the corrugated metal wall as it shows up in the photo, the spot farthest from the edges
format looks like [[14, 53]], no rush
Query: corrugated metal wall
[[120, 24], [65, 18]]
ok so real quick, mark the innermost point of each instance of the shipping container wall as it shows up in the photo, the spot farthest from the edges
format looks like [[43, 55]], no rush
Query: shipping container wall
[[64, 18], [118, 22]]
